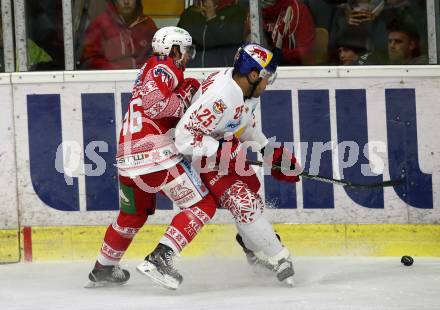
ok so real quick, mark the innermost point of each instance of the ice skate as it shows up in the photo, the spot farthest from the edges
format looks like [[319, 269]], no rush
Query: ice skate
[[107, 276], [257, 262], [283, 266], [159, 266]]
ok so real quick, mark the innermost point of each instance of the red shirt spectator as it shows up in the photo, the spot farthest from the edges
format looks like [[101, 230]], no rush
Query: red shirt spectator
[[119, 38], [291, 27]]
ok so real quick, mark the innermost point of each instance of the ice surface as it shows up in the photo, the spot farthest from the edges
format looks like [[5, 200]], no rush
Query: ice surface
[[229, 283]]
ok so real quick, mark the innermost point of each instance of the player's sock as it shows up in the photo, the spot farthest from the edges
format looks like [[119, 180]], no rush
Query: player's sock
[[118, 238], [187, 223]]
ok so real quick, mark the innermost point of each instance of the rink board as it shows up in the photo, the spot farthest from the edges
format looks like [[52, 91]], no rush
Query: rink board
[[8, 175], [9, 241], [59, 135], [9, 246], [67, 127], [83, 242]]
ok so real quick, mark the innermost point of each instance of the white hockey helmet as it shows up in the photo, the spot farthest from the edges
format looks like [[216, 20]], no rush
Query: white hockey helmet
[[166, 37]]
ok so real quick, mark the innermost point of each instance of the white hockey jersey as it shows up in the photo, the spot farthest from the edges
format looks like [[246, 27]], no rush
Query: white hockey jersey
[[218, 109]]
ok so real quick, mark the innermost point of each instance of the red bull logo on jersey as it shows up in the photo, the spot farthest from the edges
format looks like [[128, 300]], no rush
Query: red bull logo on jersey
[[219, 106]]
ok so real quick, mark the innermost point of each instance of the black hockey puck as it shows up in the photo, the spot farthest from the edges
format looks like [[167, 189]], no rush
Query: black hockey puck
[[407, 260]]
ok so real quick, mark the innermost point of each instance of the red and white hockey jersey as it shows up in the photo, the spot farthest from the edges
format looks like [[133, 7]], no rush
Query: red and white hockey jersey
[[218, 108], [146, 139]]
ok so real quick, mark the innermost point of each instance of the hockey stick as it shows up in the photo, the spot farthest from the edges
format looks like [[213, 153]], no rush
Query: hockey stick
[[336, 181]]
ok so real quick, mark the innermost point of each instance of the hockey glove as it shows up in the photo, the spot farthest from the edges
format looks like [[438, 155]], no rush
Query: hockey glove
[[277, 173], [187, 89]]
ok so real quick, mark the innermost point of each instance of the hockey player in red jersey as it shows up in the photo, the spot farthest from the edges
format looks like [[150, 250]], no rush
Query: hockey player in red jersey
[[148, 162], [219, 119]]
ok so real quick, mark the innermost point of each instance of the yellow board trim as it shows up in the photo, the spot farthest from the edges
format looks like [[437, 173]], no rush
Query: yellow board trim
[[9, 246], [84, 242]]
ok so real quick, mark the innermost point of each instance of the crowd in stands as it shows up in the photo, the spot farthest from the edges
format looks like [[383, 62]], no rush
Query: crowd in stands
[[118, 38], [377, 32], [116, 34]]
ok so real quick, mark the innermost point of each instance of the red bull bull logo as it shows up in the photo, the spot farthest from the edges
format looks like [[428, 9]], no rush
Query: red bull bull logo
[[260, 54]]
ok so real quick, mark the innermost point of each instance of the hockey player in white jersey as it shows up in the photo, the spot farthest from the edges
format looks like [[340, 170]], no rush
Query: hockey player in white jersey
[[220, 118]]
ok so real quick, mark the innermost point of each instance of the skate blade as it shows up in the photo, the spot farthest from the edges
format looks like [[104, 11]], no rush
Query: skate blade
[[91, 284], [149, 270]]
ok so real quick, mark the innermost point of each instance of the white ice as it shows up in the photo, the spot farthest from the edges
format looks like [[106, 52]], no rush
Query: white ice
[[229, 283]]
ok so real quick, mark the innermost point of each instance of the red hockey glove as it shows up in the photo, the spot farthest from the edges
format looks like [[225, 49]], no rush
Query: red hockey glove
[[277, 161], [187, 89]]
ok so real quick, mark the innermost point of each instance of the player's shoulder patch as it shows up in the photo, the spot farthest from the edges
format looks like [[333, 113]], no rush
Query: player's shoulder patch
[[165, 74], [219, 106], [162, 70]]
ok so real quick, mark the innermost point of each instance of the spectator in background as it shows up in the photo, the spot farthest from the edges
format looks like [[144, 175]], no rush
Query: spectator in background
[[45, 37], [350, 55], [347, 55], [37, 58], [119, 38], [353, 48], [322, 12], [217, 29], [363, 11], [357, 21], [83, 12], [404, 43], [290, 27], [406, 12]]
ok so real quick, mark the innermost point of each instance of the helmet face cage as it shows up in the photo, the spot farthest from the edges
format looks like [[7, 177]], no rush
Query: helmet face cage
[[271, 76]]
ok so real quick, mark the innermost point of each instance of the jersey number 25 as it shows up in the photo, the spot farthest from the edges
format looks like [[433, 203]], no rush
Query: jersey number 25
[[206, 117]]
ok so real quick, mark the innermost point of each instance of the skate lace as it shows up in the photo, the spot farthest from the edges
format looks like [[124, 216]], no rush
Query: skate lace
[[118, 273]]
